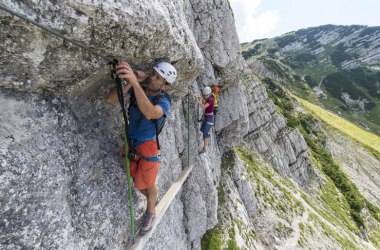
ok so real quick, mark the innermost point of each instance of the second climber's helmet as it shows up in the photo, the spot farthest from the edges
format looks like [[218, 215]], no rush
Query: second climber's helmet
[[206, 91], [167, 71], [215, 89]]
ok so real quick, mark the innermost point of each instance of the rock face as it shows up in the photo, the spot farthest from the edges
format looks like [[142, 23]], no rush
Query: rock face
[[111, 28], [62, 186], [362, 167]]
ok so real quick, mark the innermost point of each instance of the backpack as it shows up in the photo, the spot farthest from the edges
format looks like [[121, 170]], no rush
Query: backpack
[[216, 99], [158, 127]]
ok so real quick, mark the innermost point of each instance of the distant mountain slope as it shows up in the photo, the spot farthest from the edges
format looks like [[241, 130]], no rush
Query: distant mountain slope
[[337, 67], [260, 209]]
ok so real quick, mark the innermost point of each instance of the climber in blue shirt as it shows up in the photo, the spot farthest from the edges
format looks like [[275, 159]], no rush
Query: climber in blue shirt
[[148, 107]]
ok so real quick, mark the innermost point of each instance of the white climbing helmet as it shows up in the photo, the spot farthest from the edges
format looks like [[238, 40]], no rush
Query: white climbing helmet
[[206, 91], [167, 71]]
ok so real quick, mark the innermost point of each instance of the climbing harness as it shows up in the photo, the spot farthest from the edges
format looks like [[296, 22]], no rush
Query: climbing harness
[[134, 155]]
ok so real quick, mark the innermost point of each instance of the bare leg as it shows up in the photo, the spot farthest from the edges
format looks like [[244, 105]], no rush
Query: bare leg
[[152, 194], [144, 192], [205, 143]]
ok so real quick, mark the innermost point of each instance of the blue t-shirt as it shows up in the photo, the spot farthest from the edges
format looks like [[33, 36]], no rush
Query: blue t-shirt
[[140, 128]]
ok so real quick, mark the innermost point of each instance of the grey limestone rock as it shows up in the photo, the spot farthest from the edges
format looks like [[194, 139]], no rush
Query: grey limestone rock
[[232, 119]]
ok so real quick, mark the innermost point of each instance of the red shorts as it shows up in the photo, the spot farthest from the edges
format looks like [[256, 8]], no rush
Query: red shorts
[[144, 172]]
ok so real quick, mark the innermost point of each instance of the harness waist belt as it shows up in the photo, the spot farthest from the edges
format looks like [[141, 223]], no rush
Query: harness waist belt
[[153, 158]]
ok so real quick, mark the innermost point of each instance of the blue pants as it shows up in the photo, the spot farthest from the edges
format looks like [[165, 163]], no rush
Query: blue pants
[[215, 111], [206, 126]]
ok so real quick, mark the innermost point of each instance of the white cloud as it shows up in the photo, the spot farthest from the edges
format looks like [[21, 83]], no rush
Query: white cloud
[[249, 23]]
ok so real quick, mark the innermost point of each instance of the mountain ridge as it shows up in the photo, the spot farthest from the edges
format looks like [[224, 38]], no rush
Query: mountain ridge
[[336, 67]]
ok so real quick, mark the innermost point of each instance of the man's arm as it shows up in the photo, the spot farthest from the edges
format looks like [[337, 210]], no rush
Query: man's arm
[[146, 107], [112, 96], [201, 103], [149, 110]]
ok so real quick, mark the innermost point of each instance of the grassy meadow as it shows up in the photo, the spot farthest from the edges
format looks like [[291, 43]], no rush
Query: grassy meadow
[[367, 138]]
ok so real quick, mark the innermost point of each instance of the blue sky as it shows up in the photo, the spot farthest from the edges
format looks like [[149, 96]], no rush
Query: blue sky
[[257, 19]]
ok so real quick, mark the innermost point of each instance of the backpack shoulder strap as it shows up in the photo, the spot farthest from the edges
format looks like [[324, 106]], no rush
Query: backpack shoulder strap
[[133, 103], [159, 127], [132, 100]]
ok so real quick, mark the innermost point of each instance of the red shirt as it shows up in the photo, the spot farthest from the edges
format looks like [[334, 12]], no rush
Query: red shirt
[[210, 109]]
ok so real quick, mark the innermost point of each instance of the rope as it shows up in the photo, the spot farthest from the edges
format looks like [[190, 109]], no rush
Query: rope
[[179, 90], [120, 95], [188, 128]]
